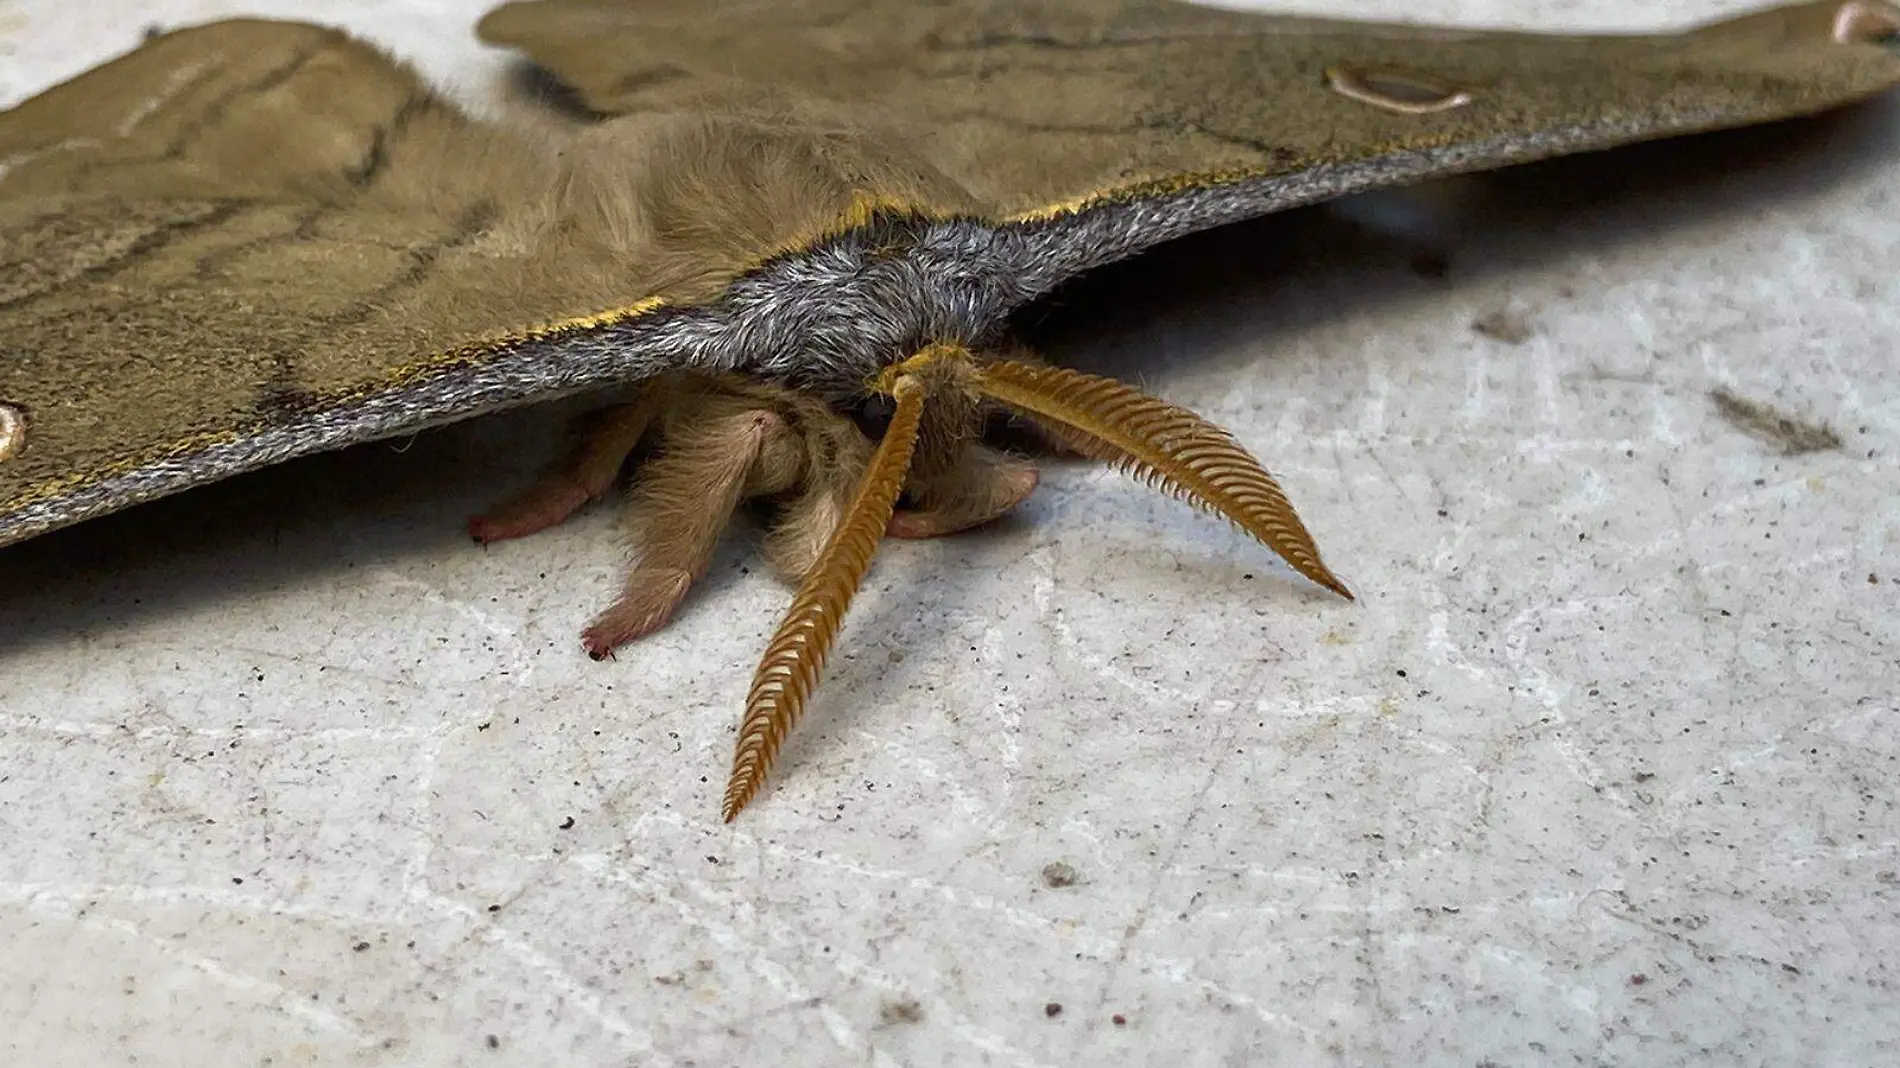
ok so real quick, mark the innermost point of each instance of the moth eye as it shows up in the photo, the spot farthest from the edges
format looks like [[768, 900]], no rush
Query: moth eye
[[1407, 92], [873, 414], [1866, 22], [12, 432]]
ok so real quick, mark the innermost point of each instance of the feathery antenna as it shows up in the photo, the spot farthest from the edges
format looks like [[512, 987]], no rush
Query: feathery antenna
[[1169, 447], [792, 662]]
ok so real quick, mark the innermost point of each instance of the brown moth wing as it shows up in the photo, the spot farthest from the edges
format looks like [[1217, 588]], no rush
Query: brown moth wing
[[253, 240], [1042, 107]]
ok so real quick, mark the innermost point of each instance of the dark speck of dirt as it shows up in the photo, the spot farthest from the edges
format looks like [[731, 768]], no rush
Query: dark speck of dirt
[[1054, 1008], [567, 824], [1639, 979], [1873, 579], [492, 1041], [902, 1011], [1506, 325], [1056, 875], [1118, 1020], [360, 947], [1791, 436]]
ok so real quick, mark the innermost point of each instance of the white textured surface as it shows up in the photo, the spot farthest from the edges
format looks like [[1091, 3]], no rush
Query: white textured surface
[[1601, 770]]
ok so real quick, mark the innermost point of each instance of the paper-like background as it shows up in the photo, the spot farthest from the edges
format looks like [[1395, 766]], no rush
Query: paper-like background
[[1600, 770]]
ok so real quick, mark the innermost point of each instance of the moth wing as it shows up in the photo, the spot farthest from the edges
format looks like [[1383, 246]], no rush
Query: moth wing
[[252, 240], [1041, 108]]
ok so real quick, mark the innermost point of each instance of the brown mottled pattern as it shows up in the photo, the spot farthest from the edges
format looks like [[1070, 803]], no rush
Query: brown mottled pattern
[[241, 222]]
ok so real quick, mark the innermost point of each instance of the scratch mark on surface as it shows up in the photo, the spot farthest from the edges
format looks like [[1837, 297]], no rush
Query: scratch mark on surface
[[1086, 940], [174, 731], [508, 634], [847, 963], [1042, 591], [275, 995], [988, 815], [725, 934]]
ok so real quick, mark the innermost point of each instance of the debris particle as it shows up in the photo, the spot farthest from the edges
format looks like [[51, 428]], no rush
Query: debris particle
[[567, 824], [1119, 1020], [1765, 424], [1054, 1008], [1638, 979], [1056, 875], [1873, 579], [902, 1011], [360, 947], [492, 1041], [1506, 324]]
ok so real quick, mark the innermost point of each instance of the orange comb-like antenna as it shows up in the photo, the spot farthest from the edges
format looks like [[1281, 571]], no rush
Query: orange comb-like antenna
[[792, 662], [1169, 447]]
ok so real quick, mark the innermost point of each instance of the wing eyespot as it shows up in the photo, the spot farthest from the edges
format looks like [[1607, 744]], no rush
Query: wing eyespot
[[12, 432], [1866, 22], [1397, 89]]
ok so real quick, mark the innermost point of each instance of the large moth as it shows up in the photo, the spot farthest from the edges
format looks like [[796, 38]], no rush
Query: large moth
[[798, 230]]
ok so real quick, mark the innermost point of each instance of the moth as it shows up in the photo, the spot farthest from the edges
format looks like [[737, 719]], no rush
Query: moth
[[794, 232]]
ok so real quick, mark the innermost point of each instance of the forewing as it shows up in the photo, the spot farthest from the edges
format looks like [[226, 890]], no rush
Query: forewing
[[218, 248], [1042, 107]]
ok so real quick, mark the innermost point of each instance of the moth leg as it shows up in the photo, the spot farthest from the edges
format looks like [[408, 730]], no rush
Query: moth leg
[[585, 474], [711, 460], [978, 485], [956, 482], [838, 454]]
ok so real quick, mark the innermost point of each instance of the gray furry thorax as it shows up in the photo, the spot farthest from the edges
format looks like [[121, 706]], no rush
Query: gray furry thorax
[[828, 318]]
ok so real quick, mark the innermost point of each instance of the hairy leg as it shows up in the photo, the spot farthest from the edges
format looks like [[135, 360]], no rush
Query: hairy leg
[[584, 474], [836, 456], [955, 481], [713, 457], [976, 485]]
